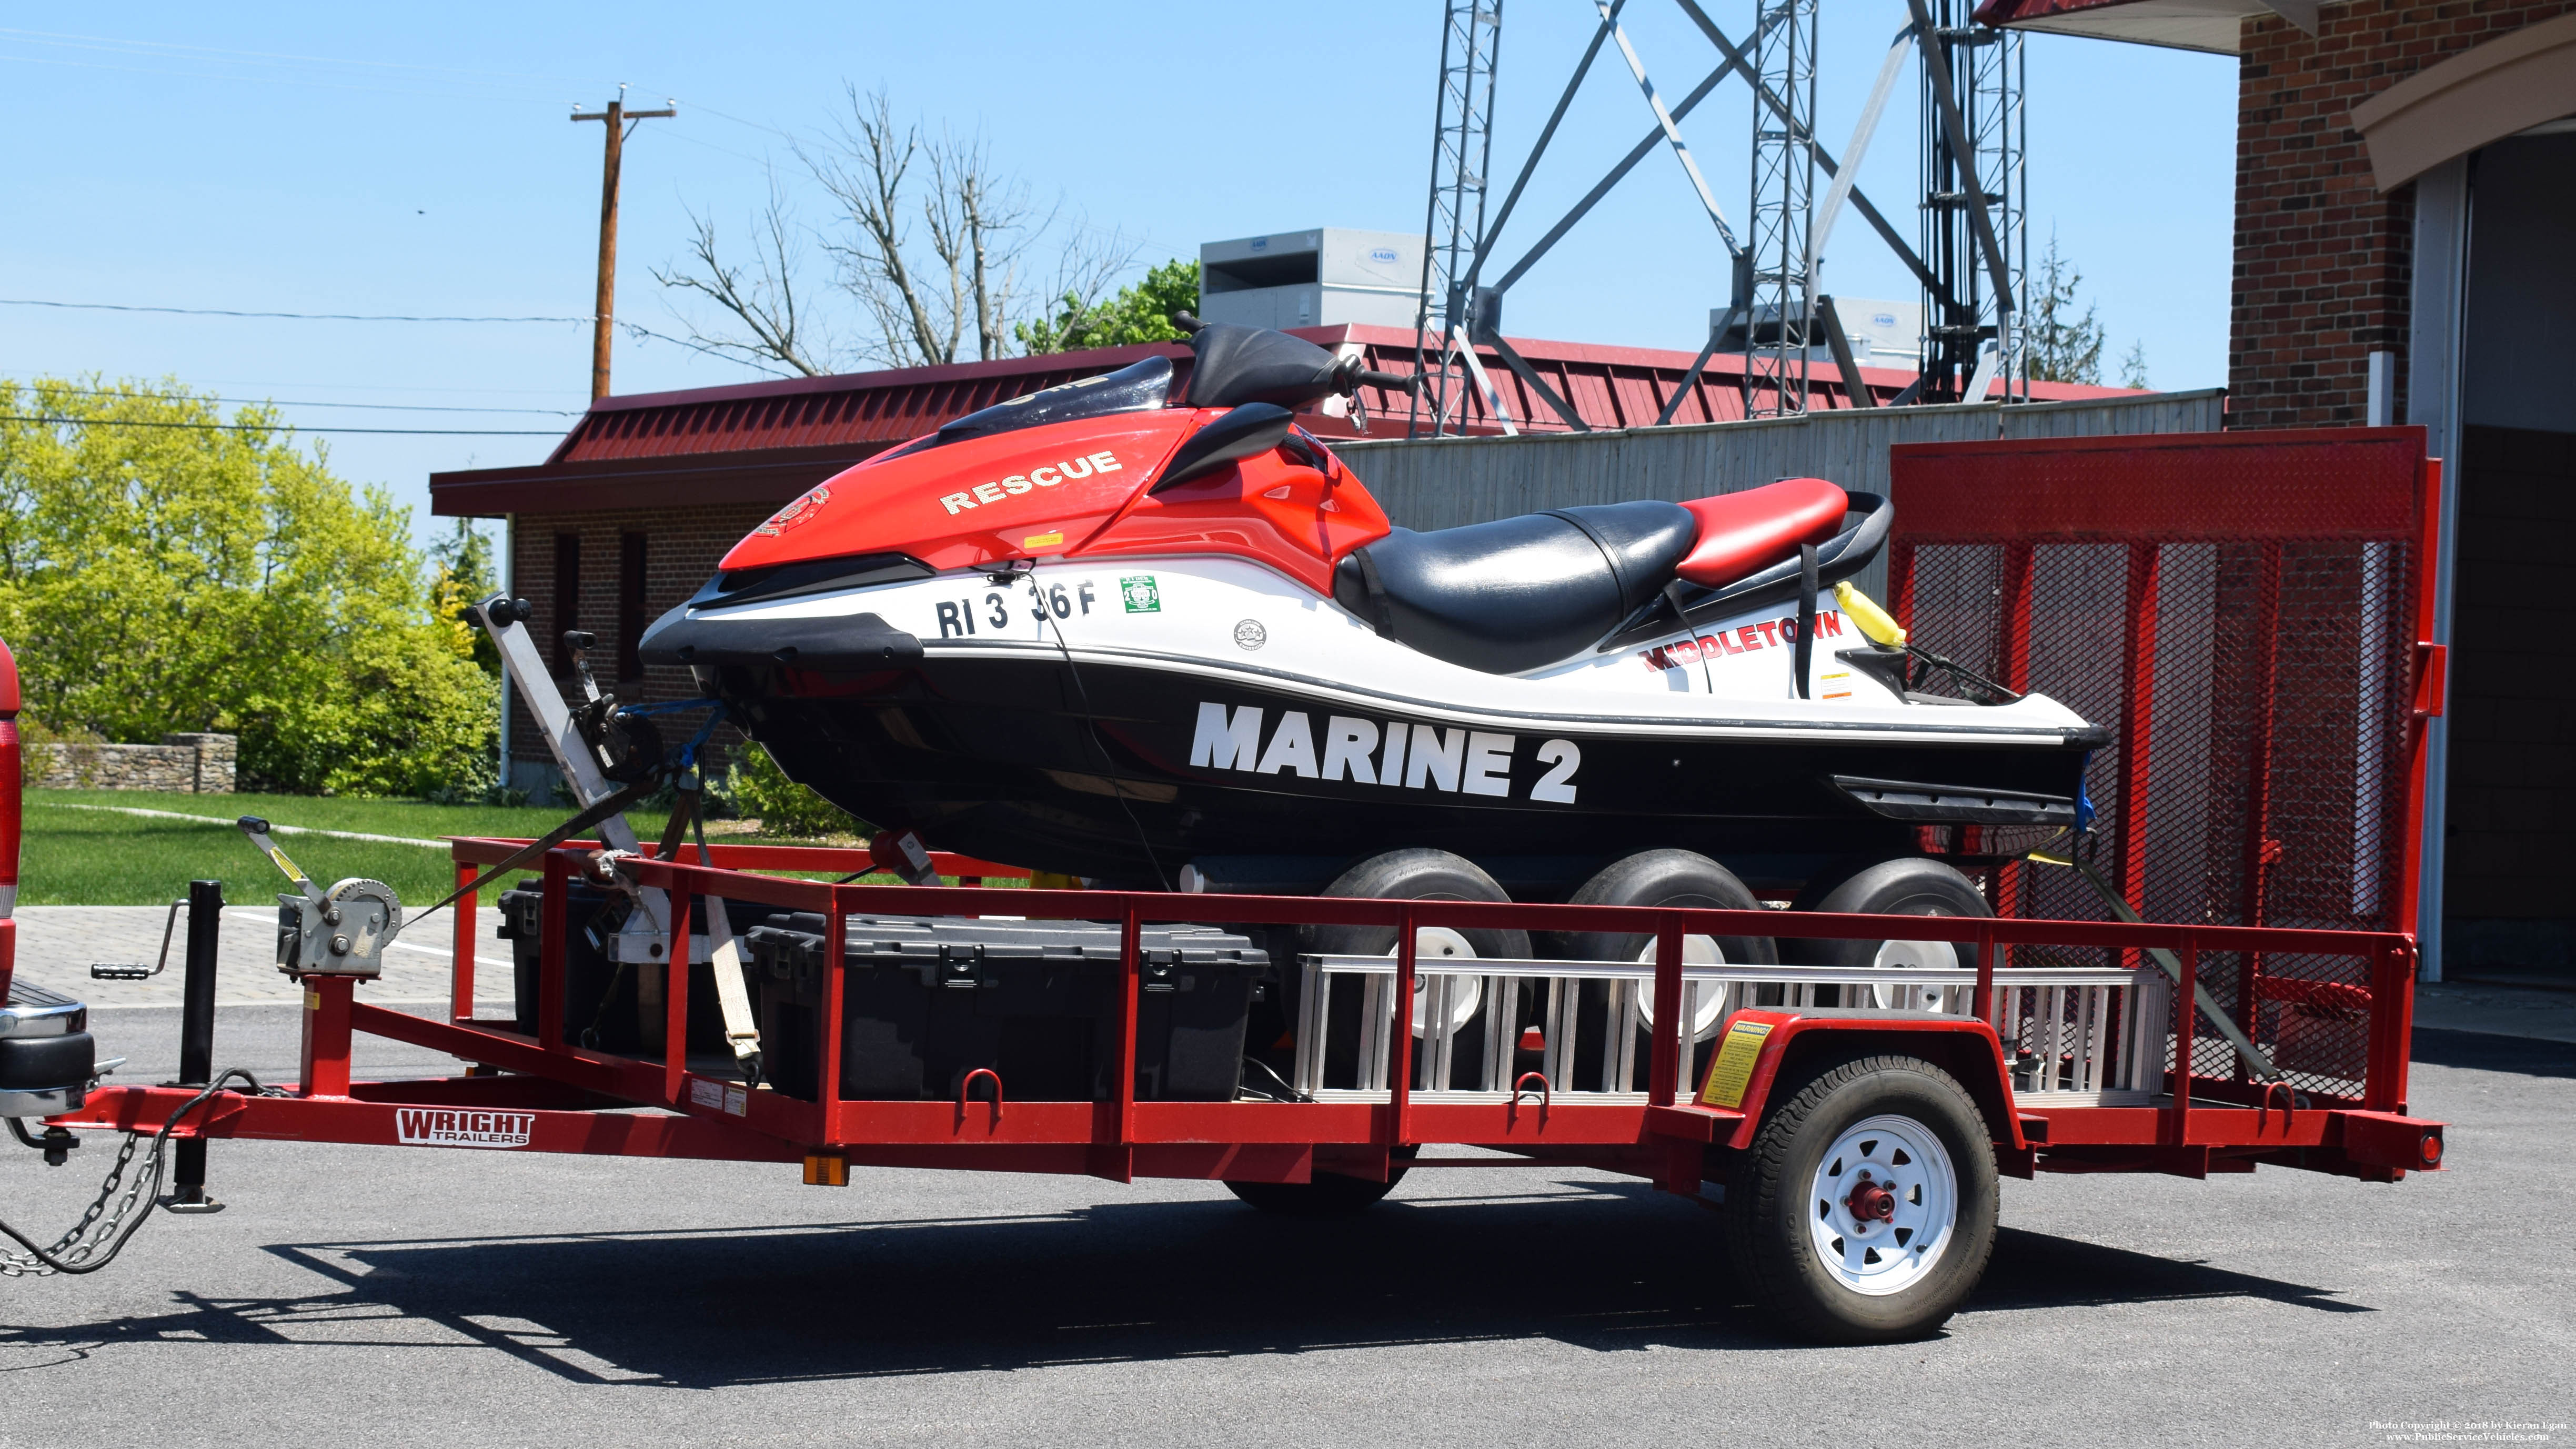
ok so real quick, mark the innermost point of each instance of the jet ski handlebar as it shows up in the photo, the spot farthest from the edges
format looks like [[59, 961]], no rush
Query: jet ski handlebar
[[1395, 381]]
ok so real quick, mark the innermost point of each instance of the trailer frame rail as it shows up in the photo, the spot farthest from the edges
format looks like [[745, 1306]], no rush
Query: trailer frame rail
[[533, 1091]]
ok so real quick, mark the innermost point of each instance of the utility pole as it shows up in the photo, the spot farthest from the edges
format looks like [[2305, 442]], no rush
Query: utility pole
[[620, 120]]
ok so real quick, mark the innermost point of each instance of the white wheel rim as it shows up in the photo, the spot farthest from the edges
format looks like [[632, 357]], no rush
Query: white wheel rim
[[1696, 951], [1883, 1206], [1908, 956], [1466, 993]]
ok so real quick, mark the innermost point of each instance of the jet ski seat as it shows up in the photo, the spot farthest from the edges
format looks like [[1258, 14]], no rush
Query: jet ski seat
[[1517, 593], [1742, 532]]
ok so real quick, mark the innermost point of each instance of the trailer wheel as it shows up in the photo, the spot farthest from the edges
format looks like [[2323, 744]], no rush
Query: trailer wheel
[[1864, 1211], [1907, 886], [1412, 874], [1328, 1195], [1665, 878]]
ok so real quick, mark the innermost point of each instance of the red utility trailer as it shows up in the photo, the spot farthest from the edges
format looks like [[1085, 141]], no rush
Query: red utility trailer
[[1890, 1112]]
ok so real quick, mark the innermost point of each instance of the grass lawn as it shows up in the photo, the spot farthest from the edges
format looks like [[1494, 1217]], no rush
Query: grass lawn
[[93, 857]]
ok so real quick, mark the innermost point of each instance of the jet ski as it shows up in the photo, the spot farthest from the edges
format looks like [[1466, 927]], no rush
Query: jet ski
[[1112, 632]]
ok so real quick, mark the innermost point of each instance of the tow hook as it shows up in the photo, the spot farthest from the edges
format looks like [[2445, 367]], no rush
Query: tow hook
[[1870, 1202]]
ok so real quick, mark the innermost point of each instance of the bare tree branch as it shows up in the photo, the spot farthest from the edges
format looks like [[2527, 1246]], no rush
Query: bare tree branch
[[764, 303], [863, 169], [928, 238]]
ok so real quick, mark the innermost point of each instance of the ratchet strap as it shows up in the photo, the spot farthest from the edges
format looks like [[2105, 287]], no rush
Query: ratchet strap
[[733, 998], [1806, 614]]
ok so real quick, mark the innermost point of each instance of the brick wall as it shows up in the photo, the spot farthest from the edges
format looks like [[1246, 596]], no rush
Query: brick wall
[[2323, 262], [682, 547]]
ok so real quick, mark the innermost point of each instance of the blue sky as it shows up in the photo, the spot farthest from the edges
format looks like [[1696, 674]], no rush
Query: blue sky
[[417, 160]]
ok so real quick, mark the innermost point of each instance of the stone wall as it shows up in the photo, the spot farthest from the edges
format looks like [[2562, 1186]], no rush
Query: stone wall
[[189, 764]]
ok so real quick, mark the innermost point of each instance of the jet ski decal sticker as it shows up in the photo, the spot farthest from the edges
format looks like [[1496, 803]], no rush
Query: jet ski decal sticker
[[804, 508], [1401, 755], [1752, 638], [1065, 471]]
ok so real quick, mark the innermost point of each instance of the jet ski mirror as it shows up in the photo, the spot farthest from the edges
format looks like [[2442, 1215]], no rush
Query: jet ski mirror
[[1244, 432]]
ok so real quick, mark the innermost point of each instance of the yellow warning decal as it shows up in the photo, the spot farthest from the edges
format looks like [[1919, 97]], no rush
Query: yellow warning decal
[[1733, 1069], [1041, 540]]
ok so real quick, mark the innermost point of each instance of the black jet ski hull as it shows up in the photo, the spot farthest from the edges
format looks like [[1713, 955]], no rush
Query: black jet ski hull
[[1126, 770]]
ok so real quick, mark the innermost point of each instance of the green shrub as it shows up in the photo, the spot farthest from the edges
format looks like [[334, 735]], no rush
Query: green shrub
[[755, 786], [165, 569]]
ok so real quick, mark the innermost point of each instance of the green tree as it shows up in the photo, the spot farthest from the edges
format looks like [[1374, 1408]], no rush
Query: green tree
[[1141, 312], [2064, 346], [164, 568], [2133, 368], [465, 578]]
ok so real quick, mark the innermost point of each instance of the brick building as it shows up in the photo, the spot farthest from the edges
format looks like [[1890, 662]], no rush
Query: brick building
[[634, 509], [2405, 202]]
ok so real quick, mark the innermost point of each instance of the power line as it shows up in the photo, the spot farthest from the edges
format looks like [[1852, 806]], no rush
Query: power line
[[110, 42], [289, 316], [284, 403], [285, 428]]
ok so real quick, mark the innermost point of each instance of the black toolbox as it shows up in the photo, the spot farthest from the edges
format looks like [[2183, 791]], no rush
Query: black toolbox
[[604, 1008], [928, 1000]]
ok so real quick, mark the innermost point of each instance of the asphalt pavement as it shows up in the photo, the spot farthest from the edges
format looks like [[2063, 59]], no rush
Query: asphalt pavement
[[383, 1296]]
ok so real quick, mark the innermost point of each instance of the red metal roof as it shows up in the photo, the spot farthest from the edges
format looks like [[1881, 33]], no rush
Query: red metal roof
[[769, 441]]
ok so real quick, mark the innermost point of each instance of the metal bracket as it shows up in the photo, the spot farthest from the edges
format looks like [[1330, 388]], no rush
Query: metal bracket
[[103, 971]]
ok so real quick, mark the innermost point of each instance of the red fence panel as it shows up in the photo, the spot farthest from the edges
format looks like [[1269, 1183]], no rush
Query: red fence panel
[[2242, 612]]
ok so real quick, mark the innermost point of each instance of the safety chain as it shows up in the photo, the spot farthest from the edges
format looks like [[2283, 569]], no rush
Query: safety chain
[[101, 1233]]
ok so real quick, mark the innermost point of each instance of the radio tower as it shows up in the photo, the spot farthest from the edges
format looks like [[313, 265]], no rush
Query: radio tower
[[1975, 197], [1784, 185], [1461, 147]]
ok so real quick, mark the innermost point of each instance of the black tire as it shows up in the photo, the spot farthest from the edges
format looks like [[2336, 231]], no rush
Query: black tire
[[1907, 886], [1406, 875], [1775, 1216], [1648, 878], [1660, 878], [1329, 1195]]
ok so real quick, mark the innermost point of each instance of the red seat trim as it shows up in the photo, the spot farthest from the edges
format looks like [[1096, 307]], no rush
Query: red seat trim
[[1742, 532]]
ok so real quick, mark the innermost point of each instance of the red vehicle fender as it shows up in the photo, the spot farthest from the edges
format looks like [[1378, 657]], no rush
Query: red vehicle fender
[[1761, 1048]]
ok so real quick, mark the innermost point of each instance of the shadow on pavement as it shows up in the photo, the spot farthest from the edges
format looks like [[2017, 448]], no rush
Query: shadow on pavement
[[2036, 1270], [1603, 1266], [2483, 1051]]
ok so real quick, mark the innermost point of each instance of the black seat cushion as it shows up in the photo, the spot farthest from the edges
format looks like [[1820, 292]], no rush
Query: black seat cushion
[[1512, 595]]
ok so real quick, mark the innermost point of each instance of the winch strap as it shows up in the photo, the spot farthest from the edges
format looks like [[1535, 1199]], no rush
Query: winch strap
[[543, 843], [1381, 615], [1806, 614]]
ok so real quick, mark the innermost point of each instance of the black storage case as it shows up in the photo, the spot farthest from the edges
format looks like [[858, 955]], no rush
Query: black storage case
[[596, 996], [928, 1000]]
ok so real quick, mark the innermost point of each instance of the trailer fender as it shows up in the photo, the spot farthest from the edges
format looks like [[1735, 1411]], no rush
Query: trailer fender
[[1767, 1051]]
